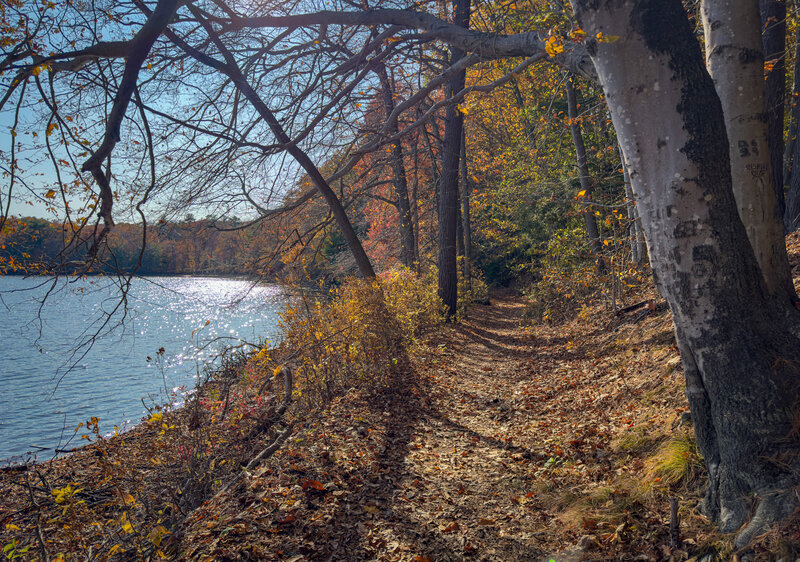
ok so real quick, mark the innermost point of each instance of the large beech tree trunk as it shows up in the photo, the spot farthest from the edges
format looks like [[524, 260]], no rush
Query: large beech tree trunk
[[448, 191], [736, 64], [740, 358]]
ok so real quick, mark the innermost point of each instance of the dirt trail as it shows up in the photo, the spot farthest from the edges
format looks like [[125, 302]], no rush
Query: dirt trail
[[460, 457], [463, 455]]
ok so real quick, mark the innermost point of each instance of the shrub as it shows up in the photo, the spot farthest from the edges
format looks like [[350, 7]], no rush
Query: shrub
[[568, 277], [356, 334]]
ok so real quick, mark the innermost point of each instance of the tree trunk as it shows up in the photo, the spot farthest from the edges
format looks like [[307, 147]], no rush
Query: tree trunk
[[773, 25], [792, 213], [448, 194], [740, 359], [735, 62], [415, 205], [465, 216], [231, 69], [589, 221], [406, 225], [638, 250]]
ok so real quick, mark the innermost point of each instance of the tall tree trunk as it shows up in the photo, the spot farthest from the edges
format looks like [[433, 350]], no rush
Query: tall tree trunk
[[415, 204], [406, 226], [773, 37], [735, 62], [459, 228], [448, 194], [589, 221], [465, 214], [638, 250], [740, 358], [792, 213]]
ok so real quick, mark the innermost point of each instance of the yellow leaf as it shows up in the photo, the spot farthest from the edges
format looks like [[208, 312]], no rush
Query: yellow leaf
[[577, 34], [51, 127], [581, 193], [11, 527], [605, 242], [553, 46], [606, 38]]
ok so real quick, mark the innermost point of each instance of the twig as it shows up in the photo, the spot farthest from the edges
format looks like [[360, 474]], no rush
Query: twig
[[288, 383], [39, 536], [263, 455], [674, 524]]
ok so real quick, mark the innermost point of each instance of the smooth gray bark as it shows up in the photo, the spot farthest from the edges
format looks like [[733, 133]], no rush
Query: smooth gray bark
[[740, 358], [736, 64]]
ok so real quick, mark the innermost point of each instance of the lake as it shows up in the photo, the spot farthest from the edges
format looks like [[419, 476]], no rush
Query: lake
[[82, 352]]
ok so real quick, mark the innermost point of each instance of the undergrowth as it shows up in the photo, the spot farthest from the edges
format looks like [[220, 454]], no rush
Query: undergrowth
[[571, 277]]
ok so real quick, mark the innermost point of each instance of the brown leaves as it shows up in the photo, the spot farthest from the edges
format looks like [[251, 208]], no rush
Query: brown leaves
[[312, 485], [452, 527]]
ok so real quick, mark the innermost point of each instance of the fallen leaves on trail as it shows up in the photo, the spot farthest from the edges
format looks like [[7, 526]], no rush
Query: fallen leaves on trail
[[501, 445]]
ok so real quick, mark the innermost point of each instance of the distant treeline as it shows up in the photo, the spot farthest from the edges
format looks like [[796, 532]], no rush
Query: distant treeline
[[30, 245]]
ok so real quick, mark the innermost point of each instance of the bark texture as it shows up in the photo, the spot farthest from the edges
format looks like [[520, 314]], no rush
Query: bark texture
[[736, 64], [448, 191], [739, 356], [792, 213]]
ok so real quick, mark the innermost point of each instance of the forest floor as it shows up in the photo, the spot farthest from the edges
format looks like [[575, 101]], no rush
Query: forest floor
[[498, 438], [502, 442]]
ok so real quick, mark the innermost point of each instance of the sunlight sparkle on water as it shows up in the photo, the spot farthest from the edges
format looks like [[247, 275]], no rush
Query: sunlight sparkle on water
[[190, 317]]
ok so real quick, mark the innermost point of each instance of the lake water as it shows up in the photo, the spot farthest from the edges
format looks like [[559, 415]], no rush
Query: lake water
[[51, 379]]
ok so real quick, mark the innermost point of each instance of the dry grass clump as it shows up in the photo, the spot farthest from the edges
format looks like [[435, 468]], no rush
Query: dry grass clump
[[676, 463]]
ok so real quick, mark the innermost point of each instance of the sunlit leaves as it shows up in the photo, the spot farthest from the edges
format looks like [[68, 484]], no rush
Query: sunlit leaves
[[554, 45]]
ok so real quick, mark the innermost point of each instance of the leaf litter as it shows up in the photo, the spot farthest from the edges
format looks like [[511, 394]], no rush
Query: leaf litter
[[504, 440]]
